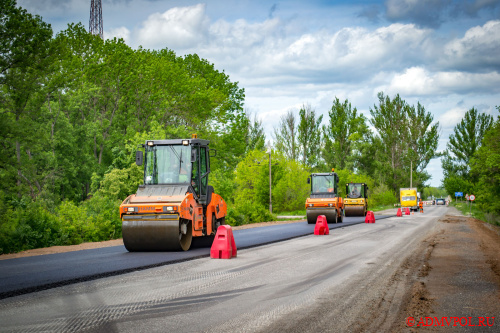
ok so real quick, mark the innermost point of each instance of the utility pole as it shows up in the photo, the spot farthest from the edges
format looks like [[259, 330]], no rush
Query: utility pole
[[411, 174], [270, 194], [95, 22]]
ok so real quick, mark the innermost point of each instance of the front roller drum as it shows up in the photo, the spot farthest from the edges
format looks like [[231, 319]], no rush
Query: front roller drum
[[156, 235], [330, 213], [354, 210]]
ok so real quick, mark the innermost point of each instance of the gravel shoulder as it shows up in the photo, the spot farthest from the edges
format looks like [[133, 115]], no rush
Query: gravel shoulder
[[455, 274]]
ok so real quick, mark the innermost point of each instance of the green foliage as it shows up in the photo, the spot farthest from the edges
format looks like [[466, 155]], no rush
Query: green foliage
[[464, 142], [256, 137], [248, 212], [343, 135], [291, 190], [73, 110], [223, 183], [285, 136], [485, 166], [406, 137], [382, 195], [436, 192], [309, 136]]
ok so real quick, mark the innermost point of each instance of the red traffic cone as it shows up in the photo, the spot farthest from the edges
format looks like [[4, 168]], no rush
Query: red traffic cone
[[370, 218], [223, 246], [321, 227], [399, 213]]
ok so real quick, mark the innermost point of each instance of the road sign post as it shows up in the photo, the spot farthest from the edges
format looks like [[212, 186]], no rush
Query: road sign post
[[472, 197]]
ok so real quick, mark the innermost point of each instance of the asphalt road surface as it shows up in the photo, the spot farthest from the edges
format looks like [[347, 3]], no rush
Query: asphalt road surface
[[262, 289], [24, 275]]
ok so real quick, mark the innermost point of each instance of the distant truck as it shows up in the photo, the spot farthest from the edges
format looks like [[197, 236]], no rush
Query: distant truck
[[408, 198]]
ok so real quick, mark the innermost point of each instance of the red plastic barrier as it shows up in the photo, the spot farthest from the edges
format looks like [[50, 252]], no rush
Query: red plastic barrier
[[223, 246], [321, 227], [370, 218], [407, 211], [399, 213]]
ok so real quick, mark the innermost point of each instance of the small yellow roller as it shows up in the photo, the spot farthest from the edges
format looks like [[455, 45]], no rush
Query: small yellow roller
[[355, 203]]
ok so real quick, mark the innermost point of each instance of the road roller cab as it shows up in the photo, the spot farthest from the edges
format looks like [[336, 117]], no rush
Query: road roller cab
[[175, 203], [323, 199], [355, 203]]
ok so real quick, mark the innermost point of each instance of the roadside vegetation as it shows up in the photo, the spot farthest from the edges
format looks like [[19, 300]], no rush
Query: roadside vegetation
[[74, 108], [471, 164]]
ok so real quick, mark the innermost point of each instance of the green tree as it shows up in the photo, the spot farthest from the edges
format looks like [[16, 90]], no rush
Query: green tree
[[285, 136], [405, 138], [27, 59], [309, 136], [485, 166], [256, 137], [464, 142], [343, 135]]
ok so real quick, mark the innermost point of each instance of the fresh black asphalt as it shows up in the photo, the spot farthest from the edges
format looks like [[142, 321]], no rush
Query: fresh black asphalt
[[29, 274]]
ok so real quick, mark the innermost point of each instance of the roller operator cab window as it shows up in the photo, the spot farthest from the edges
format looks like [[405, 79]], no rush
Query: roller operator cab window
[[356, 191], [167, 165], [323, 184]]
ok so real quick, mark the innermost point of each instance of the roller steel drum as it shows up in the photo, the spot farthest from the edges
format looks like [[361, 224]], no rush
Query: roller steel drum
[[160, 232], [354, 210], [313, 213]]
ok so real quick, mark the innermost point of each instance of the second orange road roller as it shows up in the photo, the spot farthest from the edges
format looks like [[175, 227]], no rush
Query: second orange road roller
[[175, 203], [323, 199], [355, 203]]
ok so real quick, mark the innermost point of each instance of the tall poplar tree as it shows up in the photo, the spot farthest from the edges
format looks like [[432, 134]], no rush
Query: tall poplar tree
[[309, 136], [343, 135], [285, 136]]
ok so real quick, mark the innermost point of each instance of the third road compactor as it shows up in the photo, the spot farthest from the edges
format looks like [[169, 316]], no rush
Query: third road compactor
[[323, 199], [356, 203], [175, 203]]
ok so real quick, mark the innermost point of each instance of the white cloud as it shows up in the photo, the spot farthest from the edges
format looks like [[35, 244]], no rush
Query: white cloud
[[121, 32], [179, 27], [451, 118], [479, 49], [417, 81]]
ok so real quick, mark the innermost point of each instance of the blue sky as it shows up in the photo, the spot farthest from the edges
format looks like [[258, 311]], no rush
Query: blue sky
[[444, 54]]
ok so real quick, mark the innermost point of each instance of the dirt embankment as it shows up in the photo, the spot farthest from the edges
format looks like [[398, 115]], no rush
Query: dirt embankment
[[455, 276]]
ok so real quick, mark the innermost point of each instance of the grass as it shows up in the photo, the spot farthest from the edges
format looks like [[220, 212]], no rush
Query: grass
[[379, 208], [299, 215], [464, 208]]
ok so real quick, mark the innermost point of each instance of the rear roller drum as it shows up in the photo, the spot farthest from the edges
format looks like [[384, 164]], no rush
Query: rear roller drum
[[355, 211]]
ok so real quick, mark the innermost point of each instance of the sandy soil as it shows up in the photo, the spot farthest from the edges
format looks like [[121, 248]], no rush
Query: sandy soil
[[114, 242]]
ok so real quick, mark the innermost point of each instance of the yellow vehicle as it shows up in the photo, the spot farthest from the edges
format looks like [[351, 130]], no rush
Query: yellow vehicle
[[175, 204], [408, 198], [356, 203], [323, 199]]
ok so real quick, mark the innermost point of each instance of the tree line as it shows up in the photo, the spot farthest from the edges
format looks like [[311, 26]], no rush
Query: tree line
[[471, 161], [74, 108]]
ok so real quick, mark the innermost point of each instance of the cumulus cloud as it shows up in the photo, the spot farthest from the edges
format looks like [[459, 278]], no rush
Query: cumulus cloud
[[417, 81], [179, 27], [432, 13], [422, 12], [121, 32], [451, 118], [479, 49], [263, 51]]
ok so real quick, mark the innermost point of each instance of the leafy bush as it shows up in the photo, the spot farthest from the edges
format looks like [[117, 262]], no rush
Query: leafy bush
[[248, 212], [382, 196]]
